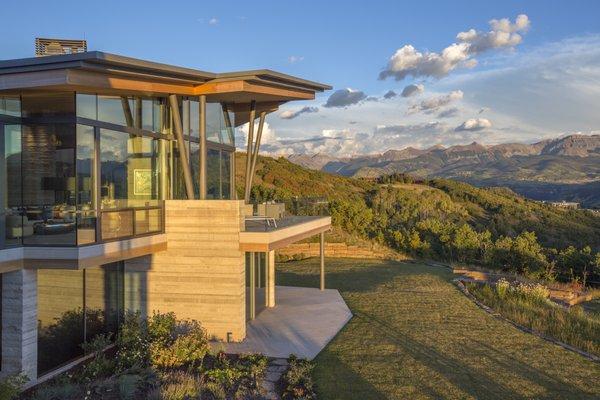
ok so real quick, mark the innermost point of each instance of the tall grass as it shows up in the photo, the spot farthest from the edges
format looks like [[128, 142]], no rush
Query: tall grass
[[528, 305]]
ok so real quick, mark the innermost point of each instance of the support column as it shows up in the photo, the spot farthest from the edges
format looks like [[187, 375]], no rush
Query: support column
[[249, 150], [270, 279], [19, 323], [322, 257], [258, 270], [183, 154], [252, 287], [203, 150]]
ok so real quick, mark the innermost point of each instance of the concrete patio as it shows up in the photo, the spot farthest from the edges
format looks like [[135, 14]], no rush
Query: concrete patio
[[303, 321]]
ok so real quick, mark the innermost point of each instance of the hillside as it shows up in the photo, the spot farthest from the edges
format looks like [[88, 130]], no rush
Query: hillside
[[567, 168], [437, 218]]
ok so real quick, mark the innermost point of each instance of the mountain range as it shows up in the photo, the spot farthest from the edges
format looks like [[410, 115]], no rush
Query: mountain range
[[566, 168]]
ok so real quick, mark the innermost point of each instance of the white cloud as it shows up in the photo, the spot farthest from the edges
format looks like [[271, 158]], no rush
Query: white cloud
[[345, 97], [434, 103], [289, 114], [474, 124], [407, 61], [213, 21], [413, 90], [295, 59], [268, 134]]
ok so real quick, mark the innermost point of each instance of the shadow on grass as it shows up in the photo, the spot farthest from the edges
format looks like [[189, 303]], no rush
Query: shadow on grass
[[346, 381]]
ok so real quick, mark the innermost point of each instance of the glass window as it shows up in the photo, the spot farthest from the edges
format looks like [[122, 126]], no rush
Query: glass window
[[75, 306], [10, 105], [130, 178], [86, 106], [213, 174], [103, 299], [194, 118], [12, 228], [116, 110], [147, 114], [60, 317], [195, 163], [52, 104], [215, 124], [226, 160], [86, 214], [160, 115], [49, 183]]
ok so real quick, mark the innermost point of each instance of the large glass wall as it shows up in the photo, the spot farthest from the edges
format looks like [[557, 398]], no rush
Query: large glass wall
[[117, 156], [12, 227], [218, 174], [74, 307], [130, 179], [48, 183]]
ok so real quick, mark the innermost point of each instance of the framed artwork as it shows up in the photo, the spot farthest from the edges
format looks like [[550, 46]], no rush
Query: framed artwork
[[142, 182]]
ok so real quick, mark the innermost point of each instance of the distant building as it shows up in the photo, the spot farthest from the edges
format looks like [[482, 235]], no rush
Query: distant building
[[565, 204]]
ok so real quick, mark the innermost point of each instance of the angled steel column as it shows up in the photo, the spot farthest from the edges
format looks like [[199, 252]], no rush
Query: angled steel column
[[249, 151], [127, 111], [183, 154], [203, 150], [322, 257], [228, 124], [256, 149]]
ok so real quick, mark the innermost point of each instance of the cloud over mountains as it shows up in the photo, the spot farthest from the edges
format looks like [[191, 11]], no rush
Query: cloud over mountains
[[408, 61]]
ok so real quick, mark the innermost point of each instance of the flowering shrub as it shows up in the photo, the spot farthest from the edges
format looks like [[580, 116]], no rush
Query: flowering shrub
[[185, 345], [532, 291], [502, 287], [297, 381]]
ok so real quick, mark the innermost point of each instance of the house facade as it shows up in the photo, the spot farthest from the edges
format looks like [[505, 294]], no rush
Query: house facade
[[117, 178]]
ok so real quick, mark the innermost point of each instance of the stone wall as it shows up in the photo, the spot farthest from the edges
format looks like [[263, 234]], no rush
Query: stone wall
[[339, 250], [201, 275]]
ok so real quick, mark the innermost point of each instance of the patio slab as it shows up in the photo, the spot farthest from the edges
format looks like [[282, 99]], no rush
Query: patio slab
[[303, 321]]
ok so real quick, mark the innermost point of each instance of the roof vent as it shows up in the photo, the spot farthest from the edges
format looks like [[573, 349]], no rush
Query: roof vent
[[52, 47]]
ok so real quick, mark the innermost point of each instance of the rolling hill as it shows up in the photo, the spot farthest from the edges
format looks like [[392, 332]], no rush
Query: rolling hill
[[567, 168]]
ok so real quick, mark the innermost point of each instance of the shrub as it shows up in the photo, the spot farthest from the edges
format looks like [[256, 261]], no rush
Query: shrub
[[185, 344], [297, 381], [10, 387], [99, 365], [502, 287], [534, 292], [133, 343]]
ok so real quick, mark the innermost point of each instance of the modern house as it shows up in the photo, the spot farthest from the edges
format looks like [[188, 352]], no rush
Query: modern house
[[118, 193]]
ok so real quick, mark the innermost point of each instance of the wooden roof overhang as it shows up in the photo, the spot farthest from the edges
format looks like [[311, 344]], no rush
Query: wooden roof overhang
[[105, 73]]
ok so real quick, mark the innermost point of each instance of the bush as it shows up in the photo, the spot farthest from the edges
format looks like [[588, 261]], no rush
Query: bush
[[133, 343], [185, 345], [99, 365], [502, 288], [297, 381], [10, 387]]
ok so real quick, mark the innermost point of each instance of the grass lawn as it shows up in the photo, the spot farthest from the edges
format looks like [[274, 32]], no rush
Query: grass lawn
[[415, 336]]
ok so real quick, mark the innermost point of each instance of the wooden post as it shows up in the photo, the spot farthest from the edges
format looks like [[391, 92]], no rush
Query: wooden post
[[252, 287], [322, 256], [203, 150], [270, 279], [183, 154]]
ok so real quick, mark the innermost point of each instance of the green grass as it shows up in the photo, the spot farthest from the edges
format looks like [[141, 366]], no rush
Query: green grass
[[415, 336], [572, 326]]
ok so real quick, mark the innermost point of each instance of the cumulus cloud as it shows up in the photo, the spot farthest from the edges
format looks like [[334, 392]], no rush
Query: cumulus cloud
[[474, 124], [412, 90], [448, 113], [434, 103], [345, 98], [268, 134], [333, 142], [295, 59], [407, 61], [390, 94], [289, 114]]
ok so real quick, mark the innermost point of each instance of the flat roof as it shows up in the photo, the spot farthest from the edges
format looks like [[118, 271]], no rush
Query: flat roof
[[99, 61]]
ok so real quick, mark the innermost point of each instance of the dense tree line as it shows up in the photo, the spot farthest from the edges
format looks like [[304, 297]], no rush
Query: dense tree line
[[448, 220]]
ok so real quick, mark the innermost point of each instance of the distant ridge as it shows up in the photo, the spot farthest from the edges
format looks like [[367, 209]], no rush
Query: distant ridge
[[533, 170]]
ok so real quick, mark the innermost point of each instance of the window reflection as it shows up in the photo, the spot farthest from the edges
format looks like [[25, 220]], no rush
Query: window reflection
[[219, 126], [10, 105], [12, 226], [74, 307], [86, 215]]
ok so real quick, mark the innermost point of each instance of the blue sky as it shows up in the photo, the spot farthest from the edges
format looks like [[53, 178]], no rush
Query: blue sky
[[543, 84]]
